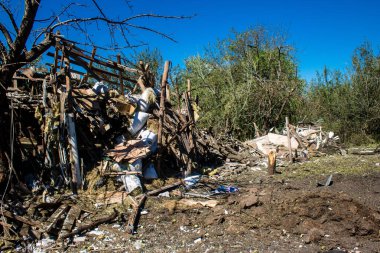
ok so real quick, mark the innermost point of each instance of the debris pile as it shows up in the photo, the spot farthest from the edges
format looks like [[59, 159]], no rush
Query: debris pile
[[297, 142], [75, 131]]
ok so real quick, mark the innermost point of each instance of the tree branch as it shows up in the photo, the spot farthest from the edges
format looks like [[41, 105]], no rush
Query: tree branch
[[10, 15], [110, 21], [31, 7], [7, 36], [44, 30], [39, 49]]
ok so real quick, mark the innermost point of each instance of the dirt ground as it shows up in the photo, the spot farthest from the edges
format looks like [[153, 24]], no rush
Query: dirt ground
[[286, 212]]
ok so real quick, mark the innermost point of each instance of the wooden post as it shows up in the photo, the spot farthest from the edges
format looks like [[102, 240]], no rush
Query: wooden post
[[54, 70], [289, 141], [168, 93], [162, 114], [190, 113], [120, 76], [271, 162], [178, 98], [76, 178]]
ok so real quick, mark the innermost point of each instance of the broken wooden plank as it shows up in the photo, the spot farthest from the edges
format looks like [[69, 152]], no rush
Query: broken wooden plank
[[92, 225], [71, 218], [133, 219], [52, 221]]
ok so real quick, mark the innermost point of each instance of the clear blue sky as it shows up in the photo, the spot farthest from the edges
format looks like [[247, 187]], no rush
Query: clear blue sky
[[324, 32]]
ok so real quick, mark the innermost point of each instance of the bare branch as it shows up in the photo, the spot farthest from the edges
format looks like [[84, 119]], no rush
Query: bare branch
[[156, 16], [10, 15], [56, 17], [115, 22], [151, 30], [7, 36], [120, 23], [99, 9], [111, 29]]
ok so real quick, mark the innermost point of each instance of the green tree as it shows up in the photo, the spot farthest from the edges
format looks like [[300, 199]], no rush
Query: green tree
[[365, 78], [331, 98], [348, 103], [246, 78]]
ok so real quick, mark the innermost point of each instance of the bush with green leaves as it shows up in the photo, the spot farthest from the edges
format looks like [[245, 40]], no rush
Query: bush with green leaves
[[250, 77]]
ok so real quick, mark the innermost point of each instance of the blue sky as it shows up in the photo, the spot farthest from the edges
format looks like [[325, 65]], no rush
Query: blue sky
[[323, 32]]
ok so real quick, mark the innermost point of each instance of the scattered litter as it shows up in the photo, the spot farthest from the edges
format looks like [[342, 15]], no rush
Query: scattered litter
[[164, 194], [198, 240], [226, 189], [328, 182]]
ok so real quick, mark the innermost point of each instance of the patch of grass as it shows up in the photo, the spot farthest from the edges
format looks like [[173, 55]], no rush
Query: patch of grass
[[350, 164]]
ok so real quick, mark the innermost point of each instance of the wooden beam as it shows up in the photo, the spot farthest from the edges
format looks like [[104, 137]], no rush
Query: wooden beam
[[95, 71]]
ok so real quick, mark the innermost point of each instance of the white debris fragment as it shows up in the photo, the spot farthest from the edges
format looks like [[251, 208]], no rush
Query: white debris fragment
[[198, 240]]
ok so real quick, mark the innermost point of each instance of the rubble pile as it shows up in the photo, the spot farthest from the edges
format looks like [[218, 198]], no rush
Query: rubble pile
[[110, 123], [303, 142]]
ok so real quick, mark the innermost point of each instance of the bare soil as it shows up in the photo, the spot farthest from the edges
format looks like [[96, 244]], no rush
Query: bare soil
[[286, 212]]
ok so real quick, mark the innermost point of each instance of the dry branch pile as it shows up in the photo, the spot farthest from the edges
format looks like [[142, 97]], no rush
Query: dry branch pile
[[70, 125]]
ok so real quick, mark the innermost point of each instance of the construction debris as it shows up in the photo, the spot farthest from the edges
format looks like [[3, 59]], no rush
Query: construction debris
[[110, 128]]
